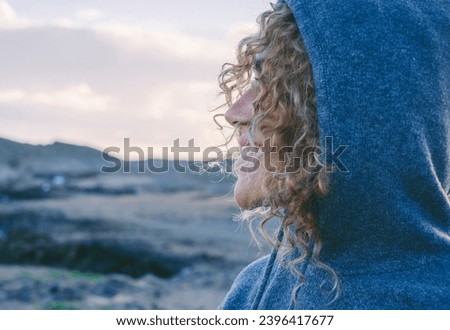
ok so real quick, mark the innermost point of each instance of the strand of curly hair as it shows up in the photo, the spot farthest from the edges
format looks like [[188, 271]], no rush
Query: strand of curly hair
[[285, 113]]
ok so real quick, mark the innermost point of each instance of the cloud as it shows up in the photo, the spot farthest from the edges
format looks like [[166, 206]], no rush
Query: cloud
[[76, 97], [90, 79], [184, 101], [8, 17], [89, 14], [163, 42], [240, 30]]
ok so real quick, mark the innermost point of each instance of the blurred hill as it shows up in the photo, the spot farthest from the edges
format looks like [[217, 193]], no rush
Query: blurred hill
[[58, 157], [47, 171], [115, 240]]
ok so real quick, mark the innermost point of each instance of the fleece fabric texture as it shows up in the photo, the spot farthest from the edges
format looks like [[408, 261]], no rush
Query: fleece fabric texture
[[382, 75]]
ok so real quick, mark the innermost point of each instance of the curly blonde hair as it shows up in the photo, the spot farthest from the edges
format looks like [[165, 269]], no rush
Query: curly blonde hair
[[285, 113]]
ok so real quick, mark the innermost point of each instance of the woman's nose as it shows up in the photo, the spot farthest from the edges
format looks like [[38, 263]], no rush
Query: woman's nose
[[242, 110]]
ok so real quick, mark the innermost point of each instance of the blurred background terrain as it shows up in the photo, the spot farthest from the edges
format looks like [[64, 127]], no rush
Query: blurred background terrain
[[74, 237]]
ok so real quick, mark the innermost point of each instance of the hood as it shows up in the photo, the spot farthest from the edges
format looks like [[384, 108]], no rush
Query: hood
[[382, 77]]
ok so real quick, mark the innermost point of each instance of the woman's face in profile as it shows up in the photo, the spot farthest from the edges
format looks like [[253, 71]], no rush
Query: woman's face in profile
[[248, 190]]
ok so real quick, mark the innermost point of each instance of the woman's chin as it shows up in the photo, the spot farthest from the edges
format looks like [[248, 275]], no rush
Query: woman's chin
[[247, 198], [248, 190]]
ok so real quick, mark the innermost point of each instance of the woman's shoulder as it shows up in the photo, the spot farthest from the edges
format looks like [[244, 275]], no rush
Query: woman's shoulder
[[245, 287]]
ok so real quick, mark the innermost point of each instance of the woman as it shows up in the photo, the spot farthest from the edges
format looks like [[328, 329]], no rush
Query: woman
[[345, 107]]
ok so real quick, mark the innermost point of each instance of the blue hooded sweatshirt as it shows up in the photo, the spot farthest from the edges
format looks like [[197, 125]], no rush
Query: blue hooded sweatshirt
[[382, 75]]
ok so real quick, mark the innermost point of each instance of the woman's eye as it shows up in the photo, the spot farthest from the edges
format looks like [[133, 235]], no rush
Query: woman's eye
[[255, 81], [257, 66]]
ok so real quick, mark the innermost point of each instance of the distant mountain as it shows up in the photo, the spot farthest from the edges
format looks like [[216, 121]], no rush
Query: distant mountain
[[45, 171], [36, 171], [14, 153]]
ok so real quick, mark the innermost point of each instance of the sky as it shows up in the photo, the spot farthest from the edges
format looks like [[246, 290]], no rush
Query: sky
[[96, 72]]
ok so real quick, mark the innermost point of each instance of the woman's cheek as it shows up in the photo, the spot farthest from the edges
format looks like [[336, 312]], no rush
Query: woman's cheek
[[248, 190]]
